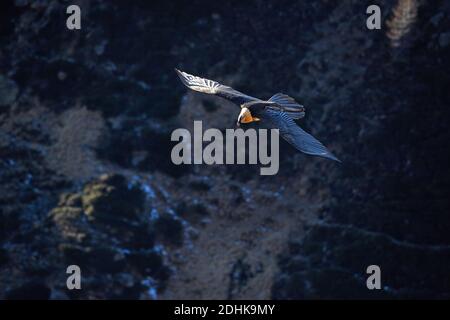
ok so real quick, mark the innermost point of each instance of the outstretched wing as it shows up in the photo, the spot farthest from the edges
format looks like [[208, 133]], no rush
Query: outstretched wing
[[295, 135], [212, 87]]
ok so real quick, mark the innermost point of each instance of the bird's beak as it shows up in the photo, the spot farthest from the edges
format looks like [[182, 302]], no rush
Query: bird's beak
[[238, 122], [240, 116]]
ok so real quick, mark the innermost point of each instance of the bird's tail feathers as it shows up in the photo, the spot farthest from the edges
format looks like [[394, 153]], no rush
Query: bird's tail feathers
[[288, 105]]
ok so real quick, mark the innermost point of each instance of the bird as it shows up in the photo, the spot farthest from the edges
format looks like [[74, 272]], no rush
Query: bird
[[278, 112]]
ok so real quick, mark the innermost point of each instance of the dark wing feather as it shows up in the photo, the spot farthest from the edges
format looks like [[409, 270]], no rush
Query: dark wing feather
[[295, 135], [212, 87]]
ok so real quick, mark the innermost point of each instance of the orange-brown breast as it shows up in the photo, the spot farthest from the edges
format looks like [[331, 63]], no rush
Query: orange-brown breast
[[247, 118]]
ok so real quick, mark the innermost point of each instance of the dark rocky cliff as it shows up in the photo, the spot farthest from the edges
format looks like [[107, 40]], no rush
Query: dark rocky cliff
[[85, 171]]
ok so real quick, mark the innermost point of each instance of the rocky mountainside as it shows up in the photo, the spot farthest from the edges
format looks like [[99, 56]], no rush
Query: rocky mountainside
[[86, 176]]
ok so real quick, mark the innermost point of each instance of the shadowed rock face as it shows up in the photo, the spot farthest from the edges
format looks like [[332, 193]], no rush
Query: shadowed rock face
[[388, 203], [86, 176], [104, 229]]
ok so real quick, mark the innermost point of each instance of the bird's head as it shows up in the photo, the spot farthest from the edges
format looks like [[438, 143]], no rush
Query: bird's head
[[245, 116]]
